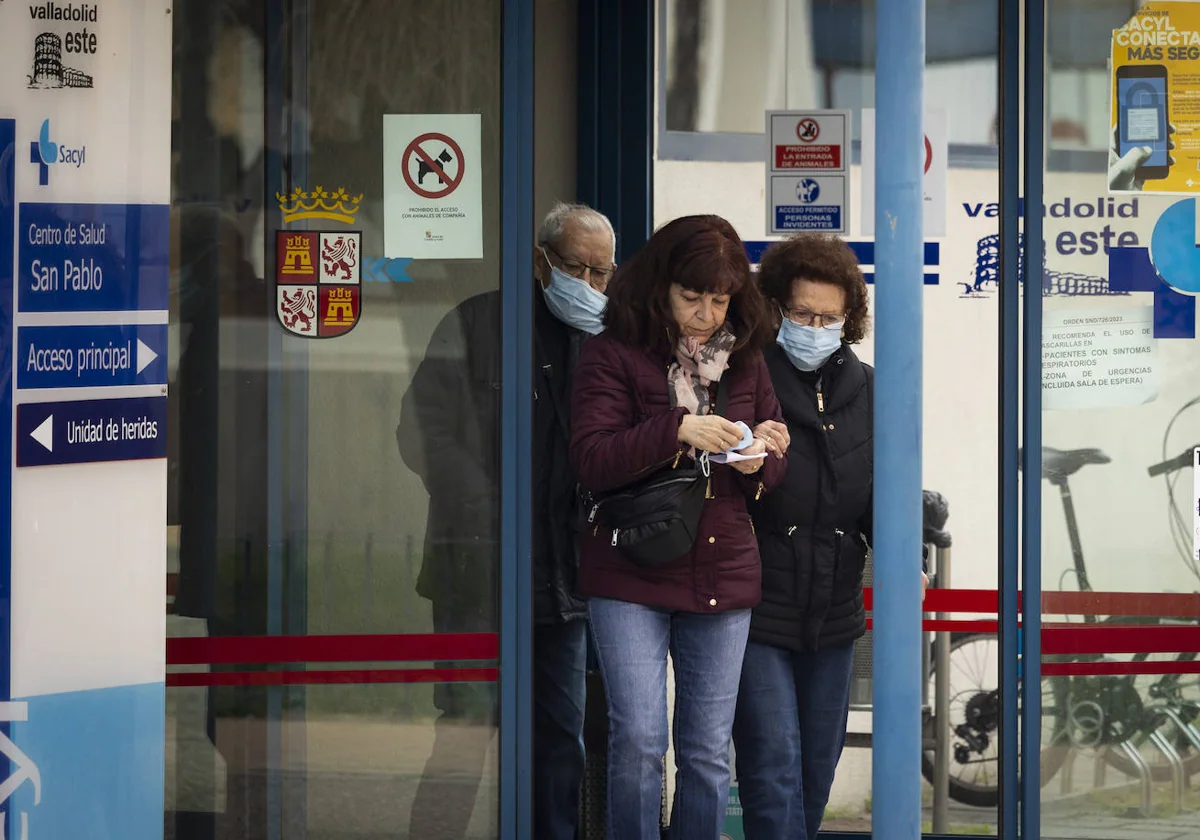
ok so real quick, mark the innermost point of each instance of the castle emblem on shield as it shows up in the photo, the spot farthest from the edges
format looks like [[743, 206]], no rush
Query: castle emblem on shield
[[318, 282]]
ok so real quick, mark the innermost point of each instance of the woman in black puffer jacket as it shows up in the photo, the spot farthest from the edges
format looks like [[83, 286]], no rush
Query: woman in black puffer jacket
[[814, 531]]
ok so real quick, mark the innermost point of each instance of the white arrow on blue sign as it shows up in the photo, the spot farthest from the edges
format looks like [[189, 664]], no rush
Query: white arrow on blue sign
[[91, 356], [90, 431]]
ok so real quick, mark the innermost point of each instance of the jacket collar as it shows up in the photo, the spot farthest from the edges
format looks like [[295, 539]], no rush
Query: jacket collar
[[842, 378]]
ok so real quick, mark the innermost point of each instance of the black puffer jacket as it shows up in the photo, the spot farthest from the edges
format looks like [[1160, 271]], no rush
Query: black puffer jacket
[[814, 528], [449, 435]]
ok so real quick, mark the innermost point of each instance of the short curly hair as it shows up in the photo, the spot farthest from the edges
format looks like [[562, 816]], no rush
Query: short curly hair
[[819, 257]]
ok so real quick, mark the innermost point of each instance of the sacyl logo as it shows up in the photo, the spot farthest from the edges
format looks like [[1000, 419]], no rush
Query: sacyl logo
[[45, 153], [23, 770]]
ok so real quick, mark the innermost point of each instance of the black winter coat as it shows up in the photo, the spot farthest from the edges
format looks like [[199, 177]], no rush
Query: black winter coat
[[449, 434], [814, 529]]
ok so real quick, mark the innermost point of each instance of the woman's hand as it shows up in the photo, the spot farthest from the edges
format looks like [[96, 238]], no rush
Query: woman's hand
[[709, 432], [775, 436], [750, 467]]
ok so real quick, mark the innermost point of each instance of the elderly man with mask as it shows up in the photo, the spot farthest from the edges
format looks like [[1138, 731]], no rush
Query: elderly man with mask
[[448, 434]]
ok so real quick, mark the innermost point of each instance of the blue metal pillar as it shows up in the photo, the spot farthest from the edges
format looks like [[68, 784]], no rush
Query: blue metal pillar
[[516, 426], [899, 290], [1009, 400], [1031, 427]]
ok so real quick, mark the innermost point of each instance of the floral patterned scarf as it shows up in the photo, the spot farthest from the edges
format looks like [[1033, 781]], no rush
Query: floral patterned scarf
[[696, 367]]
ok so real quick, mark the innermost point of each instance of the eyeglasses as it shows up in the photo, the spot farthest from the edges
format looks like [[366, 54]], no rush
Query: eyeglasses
[[577, 269], [804, 318]]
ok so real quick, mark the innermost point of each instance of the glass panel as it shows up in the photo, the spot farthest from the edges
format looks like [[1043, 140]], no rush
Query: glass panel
[[961, 341], [330, 488], [726, 62], [1121, 367]]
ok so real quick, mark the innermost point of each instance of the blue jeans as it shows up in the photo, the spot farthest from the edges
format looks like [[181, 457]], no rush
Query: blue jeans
[[631, 645], [559, 690], [788, 737]]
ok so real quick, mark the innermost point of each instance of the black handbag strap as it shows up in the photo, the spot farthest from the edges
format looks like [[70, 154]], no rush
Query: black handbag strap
[[722, 396]]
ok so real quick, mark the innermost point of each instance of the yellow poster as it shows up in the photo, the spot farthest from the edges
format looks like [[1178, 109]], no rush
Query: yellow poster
[[1155, 142]]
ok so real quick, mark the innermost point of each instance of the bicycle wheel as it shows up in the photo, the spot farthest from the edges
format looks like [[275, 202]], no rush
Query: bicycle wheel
[[975, 722]]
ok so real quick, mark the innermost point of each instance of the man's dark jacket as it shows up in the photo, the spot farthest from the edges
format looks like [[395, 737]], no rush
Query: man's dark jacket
[[814, 529], [449, 434]]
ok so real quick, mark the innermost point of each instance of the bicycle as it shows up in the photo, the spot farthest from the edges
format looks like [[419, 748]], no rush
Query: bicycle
[[1116, 715]]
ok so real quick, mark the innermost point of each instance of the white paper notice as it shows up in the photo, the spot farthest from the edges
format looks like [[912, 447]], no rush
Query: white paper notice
[[1098, 358], [433, 186]]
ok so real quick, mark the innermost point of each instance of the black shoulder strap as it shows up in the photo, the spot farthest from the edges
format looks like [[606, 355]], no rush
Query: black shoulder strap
[[722, 395]]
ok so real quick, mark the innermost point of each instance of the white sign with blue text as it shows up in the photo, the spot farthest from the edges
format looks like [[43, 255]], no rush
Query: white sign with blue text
[[85, 220]]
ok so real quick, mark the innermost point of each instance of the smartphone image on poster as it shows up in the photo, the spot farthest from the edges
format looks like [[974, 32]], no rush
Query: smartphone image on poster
[[1142, 116]]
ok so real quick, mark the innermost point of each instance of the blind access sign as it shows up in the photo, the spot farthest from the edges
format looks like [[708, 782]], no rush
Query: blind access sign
[[808, 171]]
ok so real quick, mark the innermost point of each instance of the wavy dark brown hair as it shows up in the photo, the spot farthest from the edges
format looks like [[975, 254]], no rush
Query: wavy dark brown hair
[[702, 254], [819, 257]]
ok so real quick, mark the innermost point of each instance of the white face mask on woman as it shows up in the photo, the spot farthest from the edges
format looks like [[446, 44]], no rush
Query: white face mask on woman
[[809, 347], [574, 302]]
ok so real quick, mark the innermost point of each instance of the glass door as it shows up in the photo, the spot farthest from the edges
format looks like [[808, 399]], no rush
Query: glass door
[[1120, 421], [334, 604]]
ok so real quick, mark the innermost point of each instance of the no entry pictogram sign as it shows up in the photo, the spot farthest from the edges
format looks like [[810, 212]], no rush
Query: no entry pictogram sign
[[433, 187], [808, 130], [429, 158]]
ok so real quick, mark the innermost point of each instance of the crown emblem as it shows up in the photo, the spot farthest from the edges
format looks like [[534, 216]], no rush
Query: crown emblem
[[337, 206]]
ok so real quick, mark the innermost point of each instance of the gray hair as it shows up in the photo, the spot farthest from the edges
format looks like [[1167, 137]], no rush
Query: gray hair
[[555, 224]]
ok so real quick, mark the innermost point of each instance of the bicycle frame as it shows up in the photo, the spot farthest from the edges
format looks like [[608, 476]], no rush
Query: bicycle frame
[[1068, 503]]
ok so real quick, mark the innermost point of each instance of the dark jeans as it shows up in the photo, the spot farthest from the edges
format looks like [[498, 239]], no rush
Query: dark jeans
[[559, 691], [631, 645], [446, 795], [788, 736]]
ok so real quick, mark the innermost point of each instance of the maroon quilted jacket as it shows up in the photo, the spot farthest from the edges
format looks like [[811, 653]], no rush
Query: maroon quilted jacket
[[623, 428]]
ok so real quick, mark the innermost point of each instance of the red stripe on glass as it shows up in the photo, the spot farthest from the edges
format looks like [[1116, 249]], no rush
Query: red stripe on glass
[[1099, 638], [366, 676], [1109, 669], [1150, 604], [955, 625], [414, 647]]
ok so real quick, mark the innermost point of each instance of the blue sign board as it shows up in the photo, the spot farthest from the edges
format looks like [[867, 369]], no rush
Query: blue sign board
[[85, 432], [91, 356], [92, 257], [808, 217]]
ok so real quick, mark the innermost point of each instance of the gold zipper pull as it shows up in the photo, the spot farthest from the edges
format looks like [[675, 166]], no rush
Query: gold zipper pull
[[820, 402], [708, 493], [678, 455], [759, 492]]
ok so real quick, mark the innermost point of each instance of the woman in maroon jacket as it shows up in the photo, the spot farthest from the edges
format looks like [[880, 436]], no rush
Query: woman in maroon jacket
[[682, 316]]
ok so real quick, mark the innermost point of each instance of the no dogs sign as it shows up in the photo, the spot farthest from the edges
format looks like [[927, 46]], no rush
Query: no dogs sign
[[433, 193]]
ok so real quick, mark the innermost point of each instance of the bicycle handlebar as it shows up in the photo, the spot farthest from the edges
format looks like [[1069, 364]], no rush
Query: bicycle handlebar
[[1172, 464]]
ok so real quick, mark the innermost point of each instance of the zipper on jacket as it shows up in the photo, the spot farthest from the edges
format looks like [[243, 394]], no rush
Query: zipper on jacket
[[614, 536], [678, 455], [758, 493], [820, 400]]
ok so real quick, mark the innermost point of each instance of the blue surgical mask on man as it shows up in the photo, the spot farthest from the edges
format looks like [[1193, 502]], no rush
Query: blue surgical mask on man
[[574, 302], [810, 347]]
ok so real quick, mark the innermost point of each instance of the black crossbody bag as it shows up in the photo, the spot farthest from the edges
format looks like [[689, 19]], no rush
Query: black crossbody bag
[[656, 520]]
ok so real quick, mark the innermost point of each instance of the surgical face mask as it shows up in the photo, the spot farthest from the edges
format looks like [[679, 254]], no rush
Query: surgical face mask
[[808, 347], [574, 302]]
